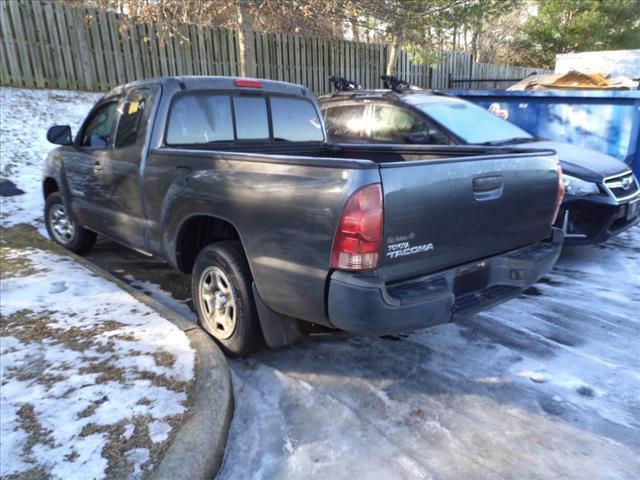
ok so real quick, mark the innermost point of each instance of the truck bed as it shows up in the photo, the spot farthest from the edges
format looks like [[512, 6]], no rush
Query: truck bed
[[289, 200], [430, 196]]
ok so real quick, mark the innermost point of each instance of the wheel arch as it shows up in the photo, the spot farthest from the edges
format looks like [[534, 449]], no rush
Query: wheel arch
[[49, 185], [196, 232]]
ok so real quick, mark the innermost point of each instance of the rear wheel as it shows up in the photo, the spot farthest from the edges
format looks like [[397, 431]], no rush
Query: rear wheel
[[221, 286], [62, 229]]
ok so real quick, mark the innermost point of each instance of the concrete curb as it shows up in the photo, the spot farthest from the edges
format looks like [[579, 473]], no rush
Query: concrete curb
[[198, 446]]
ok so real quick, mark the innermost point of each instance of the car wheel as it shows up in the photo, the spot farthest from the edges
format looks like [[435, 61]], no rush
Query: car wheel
[[221, 287], [63, 230]]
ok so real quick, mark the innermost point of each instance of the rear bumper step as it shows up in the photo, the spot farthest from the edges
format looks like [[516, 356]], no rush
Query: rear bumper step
[[367, 306]]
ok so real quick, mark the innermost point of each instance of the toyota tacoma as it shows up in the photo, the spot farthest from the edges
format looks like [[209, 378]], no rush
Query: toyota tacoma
[[232, 181]]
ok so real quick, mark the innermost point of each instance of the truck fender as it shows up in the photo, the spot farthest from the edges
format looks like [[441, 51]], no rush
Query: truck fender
[[54, 169]]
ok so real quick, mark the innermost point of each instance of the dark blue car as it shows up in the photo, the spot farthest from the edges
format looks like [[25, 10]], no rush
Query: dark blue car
[[602, 196]]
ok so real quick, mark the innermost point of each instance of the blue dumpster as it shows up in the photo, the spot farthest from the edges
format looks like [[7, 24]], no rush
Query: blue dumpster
[[603, 120]]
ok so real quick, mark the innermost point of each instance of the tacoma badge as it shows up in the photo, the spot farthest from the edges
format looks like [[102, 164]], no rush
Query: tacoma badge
[[401, 249]]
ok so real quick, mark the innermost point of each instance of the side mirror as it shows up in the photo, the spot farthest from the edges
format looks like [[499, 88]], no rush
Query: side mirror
[[418, 137], [60, 135]]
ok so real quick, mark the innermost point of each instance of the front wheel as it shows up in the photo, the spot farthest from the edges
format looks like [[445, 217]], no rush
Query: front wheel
[[62, 229], [222, 294]]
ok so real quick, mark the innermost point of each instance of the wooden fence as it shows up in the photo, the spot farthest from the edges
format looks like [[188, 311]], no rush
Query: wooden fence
[[49, 44]]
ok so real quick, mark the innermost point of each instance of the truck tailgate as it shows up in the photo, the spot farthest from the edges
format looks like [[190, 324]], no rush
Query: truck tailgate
[[438, 214]]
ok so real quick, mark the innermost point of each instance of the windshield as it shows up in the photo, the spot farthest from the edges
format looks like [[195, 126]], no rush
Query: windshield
[[472, 123]]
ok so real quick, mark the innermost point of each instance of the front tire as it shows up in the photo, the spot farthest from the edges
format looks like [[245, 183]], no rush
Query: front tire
[[223, 297], [63, 230]]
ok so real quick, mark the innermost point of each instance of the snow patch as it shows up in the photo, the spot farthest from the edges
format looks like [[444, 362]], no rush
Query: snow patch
[[159, 431], [105, 382]]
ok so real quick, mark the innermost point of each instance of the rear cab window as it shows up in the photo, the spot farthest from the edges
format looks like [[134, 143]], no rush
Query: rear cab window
[[209, 117], [252, 121], [295, 120], [200, 119]]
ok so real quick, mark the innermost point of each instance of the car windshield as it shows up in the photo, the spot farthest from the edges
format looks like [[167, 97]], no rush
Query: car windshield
[[472, 123]]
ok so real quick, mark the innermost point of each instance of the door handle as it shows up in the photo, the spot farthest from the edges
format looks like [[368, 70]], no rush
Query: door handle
[[488, 188], [97, 166]]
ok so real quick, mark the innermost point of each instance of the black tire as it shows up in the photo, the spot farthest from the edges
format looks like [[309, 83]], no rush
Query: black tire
[[245, 337], [80, 241]]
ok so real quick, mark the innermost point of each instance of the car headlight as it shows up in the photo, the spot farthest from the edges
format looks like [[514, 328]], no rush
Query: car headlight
[[576, 187]]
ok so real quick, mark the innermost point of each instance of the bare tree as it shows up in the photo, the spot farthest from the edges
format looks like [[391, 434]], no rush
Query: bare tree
[[246, 38], [425, 27]]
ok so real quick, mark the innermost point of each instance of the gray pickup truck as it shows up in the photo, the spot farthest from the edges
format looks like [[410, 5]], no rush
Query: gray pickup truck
[[232, 180]]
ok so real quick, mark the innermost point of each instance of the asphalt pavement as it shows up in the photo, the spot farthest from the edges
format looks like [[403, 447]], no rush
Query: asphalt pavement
[[544, 386]]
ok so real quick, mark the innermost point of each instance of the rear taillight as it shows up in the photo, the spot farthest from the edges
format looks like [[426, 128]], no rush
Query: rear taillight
[[559, 196], [356, 245]]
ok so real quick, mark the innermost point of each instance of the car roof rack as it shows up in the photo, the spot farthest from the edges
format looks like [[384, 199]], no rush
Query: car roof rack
[[341, 84], [395, 84]]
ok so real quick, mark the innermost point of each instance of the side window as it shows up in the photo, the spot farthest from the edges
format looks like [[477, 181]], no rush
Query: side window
[[393, 124], [252, 122], [131, 118], [98, 131], [346, 122], [295, 120], [200, 118]]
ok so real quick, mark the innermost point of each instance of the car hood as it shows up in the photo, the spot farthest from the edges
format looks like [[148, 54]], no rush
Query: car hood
[[582, 162]]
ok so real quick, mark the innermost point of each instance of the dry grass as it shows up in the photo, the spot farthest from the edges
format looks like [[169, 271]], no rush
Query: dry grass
[[36, 473], [26, 237], [36, 328], [164, 359], [11, 266], [37, 434], [118, 443]]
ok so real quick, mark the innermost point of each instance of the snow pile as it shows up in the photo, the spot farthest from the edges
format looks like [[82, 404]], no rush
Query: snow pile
[[86, 369], [25, 116]]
